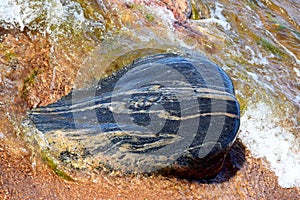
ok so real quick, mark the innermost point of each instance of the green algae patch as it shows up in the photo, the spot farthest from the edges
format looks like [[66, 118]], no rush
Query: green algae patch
[[243, 104], [253, 4], [29, 81], [150, 17], [272, 48], [31, 78], [10, 56], [195, 12], [55, 168], [297, 34]]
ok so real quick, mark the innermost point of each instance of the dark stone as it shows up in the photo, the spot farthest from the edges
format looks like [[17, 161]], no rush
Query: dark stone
[[164, 113]]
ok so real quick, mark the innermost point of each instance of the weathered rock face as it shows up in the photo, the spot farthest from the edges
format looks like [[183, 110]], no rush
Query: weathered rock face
[[164, 113]]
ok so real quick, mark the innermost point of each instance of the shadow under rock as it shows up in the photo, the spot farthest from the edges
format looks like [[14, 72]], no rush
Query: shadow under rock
[[234, 161]]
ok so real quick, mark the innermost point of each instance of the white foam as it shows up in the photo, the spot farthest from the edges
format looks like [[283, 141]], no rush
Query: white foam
[[263, 136], [21, 14], [297, 71], [261, 81], [297, 100], [44, 16], [166, 15], [15, 15], [216, 17], [256, 58], [217, 14]]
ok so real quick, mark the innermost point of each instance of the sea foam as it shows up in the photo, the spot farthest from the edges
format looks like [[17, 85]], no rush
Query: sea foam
[[265, 139], [217, 17], [15, 15], [47, 16]]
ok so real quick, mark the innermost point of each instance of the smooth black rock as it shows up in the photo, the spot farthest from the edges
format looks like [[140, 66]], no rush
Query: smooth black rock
[[163, 113]]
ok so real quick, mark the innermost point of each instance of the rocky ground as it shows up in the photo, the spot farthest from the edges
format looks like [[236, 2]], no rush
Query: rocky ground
[[28, 80]]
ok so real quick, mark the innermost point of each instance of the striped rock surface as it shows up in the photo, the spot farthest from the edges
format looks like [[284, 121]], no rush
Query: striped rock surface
[[164, 113]]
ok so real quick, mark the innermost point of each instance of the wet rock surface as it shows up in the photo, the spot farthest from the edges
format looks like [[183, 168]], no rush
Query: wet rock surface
[[162, 113]]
